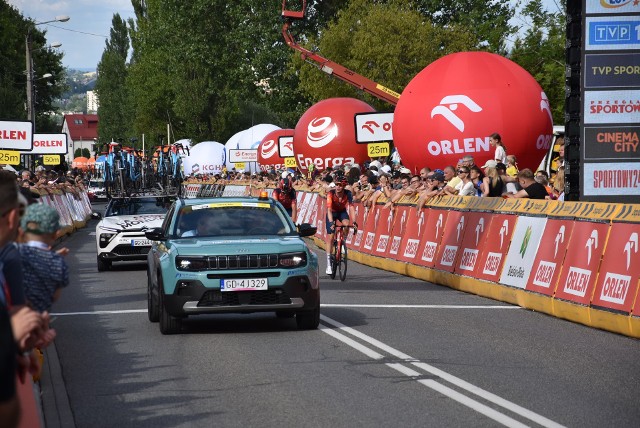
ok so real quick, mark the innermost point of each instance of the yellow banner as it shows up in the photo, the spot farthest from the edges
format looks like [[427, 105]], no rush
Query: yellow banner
[[239, 166], [628, 213], [375, 150], [51, 159], [290, 162], [10, 157]]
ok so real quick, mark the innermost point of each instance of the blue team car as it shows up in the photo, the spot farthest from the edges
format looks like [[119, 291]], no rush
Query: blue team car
[[231, 255]]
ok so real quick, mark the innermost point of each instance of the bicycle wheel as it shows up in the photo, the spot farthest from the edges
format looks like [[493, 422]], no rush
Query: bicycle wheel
[[334, 260], [342, 267]]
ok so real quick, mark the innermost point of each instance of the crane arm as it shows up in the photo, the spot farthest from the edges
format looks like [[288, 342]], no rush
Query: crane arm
[[330, 67]]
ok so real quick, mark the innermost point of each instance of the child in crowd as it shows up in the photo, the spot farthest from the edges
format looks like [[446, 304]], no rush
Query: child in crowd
[[512, 166], [45, 271]]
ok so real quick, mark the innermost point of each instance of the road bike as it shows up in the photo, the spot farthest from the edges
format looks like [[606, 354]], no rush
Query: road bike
[[338, 257]]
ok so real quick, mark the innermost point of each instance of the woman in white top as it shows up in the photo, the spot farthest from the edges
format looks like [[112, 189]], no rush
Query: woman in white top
[[466, 187], [501, 151]]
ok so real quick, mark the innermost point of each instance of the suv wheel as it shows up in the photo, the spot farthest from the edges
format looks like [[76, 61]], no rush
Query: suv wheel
[[308, 320], [153, 310], [168, 324], [103, 265]]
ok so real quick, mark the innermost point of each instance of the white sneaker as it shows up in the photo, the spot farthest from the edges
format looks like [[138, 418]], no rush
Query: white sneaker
[[329, 271]]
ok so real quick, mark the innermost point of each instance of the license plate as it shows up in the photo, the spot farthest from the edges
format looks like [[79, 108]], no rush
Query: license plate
[[141, 242], [245, 284]]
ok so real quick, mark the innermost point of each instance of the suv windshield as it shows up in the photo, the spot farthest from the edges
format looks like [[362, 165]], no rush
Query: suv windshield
[[131, 206], [231, 219], [96, 183]]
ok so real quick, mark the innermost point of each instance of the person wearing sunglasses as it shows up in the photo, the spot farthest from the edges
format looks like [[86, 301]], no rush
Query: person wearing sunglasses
[[465, 187]]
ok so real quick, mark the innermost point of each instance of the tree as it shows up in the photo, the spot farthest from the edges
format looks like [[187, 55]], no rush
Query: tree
[[488, 21], [387, 42], [13, 77], [541, 52], [114, 110]]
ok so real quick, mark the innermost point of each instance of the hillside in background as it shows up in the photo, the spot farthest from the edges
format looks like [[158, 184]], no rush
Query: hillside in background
[[78, 82]]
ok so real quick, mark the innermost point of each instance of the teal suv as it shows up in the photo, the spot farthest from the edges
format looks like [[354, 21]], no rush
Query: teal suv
[[231, 255]]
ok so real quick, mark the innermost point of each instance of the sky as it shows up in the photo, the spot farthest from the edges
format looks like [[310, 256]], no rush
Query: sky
[[83, 36]]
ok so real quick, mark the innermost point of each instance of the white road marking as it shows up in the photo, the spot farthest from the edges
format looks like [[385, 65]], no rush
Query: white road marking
[[341, 305], [444, 376], [460, 398], [324, 305]]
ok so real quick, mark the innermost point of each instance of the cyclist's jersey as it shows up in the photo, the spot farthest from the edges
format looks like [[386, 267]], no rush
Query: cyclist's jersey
[[287, 199], [339, 204]]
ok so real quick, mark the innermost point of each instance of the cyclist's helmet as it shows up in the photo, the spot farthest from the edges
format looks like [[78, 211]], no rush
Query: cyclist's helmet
[[285, 184], [341, 180]]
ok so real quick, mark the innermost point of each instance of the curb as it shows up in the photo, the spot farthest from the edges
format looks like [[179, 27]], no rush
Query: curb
[[56, 409]]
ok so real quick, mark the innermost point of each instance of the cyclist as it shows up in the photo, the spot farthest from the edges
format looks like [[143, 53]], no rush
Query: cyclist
[[339, 208], [286, 195]]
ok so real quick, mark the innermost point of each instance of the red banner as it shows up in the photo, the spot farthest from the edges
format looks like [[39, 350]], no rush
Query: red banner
[[384, 229], [370, 226], [475, 236], [431, 236], [553, 246], [495, 246], [414, 227], [619, 272], [580, 265], [354, 242], [400, 215], [454, 230]]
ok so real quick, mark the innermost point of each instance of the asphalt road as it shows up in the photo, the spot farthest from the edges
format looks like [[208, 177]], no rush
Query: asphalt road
[[391, 351]]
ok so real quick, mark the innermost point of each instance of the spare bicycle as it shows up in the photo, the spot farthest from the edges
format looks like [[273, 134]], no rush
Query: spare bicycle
[[338, 257]]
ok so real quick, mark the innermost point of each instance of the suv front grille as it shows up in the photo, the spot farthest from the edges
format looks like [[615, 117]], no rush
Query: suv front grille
[[237, 298], [245, 261]]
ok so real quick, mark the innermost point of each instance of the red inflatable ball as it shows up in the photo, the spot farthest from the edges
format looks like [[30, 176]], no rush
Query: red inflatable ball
[[452, 106], [268, 154], [325, 135]]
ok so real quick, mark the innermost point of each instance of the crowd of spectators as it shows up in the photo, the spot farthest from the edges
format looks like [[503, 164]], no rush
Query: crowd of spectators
[[31, 277]]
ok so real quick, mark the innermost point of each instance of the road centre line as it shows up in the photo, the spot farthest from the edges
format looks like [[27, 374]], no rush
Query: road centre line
[[515, 408], [324, 305], [341, 305]]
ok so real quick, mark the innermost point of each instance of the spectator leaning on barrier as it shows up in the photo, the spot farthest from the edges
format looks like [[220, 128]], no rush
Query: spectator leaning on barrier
[[530, 188], [452, 180]]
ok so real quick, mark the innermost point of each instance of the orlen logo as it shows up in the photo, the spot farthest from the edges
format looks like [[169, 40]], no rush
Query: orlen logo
[[449, 104], [268, 149], [613, 4], [321, 132]]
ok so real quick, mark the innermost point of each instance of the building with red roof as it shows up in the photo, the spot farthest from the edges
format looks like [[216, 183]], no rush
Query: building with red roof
[[82, 132]]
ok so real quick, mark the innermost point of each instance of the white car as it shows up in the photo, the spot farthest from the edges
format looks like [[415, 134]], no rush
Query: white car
[[96, 190], [120, 232]]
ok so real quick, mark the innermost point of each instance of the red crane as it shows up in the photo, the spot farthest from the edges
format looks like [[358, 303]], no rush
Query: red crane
[[330, 67]]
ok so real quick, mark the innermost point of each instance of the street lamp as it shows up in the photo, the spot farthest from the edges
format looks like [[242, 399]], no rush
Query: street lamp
[[31, 116]]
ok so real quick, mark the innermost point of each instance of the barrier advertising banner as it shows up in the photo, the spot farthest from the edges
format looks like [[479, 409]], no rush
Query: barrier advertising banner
[[619, 272], [452, 236], [495, 246], [431, 236], [354, 242], [400, 215], [522, 251], [553, 246], [383, 231], [370, 227], [475, 235], [414, 227], [580, 265]]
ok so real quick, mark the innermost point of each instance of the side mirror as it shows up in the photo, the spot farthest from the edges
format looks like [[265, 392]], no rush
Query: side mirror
[[155, 234], [305, 229], [96, 216]]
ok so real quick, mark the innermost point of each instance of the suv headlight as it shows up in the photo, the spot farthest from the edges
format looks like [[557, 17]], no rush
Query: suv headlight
[[293, 260], [192, 263], [105, 238]]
